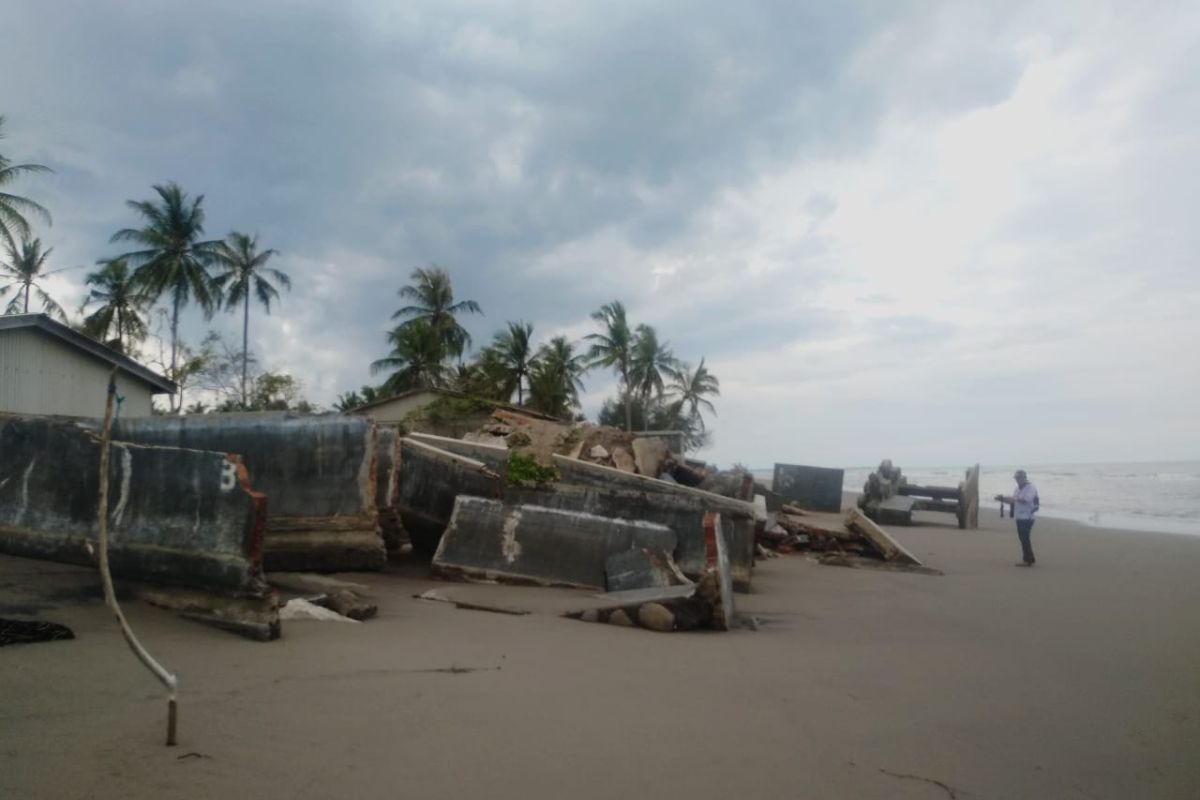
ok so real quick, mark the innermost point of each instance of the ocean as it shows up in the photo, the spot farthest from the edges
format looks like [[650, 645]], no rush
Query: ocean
[[1162, 497]]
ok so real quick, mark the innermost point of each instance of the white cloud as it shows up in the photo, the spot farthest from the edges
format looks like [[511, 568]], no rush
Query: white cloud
[[906, 231]]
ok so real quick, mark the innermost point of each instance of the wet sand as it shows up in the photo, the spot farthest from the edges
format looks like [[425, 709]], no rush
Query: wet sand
[[1077, 678]]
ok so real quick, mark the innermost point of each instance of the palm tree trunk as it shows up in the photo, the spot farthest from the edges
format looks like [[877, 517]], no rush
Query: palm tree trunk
[[628, 401], [175, 346], [27, 287], [245, 345]]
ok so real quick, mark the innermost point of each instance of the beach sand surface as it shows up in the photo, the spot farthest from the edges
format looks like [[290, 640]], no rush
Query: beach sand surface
[[1079, 678]]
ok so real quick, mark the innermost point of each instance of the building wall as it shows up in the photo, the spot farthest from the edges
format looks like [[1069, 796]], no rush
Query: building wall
[[394, 411], [41, 375]]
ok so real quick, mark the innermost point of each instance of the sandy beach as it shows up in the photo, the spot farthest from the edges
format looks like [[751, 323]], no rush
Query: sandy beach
[[1079, 678]]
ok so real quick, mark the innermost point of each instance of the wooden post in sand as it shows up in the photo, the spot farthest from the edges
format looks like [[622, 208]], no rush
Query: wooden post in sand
[[110, 597]]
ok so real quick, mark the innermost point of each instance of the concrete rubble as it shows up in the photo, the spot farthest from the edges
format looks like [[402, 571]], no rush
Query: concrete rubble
[[889, 498], [522, 499], [708, 603], [491, 540], [462, 467]]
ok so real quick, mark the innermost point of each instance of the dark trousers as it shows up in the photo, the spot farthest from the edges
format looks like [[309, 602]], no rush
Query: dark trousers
[[1024, 528]]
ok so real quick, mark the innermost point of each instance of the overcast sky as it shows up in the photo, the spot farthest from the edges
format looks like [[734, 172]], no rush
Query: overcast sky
[[935, 232]]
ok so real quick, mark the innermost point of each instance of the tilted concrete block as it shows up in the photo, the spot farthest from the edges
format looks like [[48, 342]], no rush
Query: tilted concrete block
[[430, 481], [494, 540]]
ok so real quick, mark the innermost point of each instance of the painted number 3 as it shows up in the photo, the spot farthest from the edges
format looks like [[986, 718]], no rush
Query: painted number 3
[[228, 476]]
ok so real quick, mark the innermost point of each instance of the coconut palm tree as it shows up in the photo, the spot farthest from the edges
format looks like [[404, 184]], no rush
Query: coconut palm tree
[[433, 305], [14, 227], [652, 362], [557, 378], [121, 303], [513, 357], [174, 258], [614, 349], [690, 389], [245, 273], [24, 267], [415, 359]]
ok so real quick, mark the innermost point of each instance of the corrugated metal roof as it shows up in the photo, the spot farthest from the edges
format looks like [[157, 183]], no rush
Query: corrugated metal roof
[[90, 346]]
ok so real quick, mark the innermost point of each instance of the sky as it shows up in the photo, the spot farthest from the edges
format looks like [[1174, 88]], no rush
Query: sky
[[940, 233]]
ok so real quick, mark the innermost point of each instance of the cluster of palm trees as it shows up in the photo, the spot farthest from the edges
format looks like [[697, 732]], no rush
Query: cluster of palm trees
[[171, 261], [655, 388]]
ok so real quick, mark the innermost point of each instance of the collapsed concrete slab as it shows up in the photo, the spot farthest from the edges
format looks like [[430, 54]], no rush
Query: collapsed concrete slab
[[431, 479], [318, 472], [255, 617], [879, 539], [738, 514], [593, 489], [641, 568], [706, 604], [493, 540], [182, 517]]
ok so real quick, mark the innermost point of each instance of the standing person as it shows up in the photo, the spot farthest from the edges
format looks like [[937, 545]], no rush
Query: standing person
[[1025, 503]]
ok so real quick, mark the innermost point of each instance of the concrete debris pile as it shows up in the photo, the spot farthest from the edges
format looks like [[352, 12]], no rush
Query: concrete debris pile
[[540, 440], [858, 535], [437, 470], [707, 603], [520, 502], [889, 498]]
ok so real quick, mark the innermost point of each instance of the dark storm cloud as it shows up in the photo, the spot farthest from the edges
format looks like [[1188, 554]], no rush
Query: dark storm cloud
[[376, 129]]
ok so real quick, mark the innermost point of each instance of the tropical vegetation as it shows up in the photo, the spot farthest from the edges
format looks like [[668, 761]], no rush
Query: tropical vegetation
[[14, 208], [172, 264], [117, 319], [173, 258], [24, 268], [245, 273]]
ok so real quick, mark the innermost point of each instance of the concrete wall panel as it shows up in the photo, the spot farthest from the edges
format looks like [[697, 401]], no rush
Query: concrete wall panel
[[180, 517], [317, 471]]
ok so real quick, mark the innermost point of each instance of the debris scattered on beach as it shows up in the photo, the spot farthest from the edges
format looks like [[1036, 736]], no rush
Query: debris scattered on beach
[[20, 631], [440, 597], [298, 608]]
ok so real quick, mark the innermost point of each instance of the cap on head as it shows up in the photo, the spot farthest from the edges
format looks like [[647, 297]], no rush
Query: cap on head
[[1020, 475]]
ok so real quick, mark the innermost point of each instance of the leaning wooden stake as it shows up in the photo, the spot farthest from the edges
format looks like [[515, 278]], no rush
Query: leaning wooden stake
[[168, 680]]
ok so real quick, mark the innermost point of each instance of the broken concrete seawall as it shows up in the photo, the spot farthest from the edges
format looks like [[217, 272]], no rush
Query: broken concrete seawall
[[607, 492], [430, 481], [491, 539], [179, 517], [317, 471]]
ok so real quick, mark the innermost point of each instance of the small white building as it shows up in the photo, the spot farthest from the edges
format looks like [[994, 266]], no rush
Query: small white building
[[48, 368]]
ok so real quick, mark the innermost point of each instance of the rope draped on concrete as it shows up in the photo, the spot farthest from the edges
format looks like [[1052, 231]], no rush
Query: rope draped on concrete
[[110, 597]]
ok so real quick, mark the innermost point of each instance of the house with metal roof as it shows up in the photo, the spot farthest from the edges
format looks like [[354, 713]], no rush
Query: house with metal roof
[[48, 368]]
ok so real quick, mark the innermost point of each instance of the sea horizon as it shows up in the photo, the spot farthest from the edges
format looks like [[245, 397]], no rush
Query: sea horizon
[[1150, 496]]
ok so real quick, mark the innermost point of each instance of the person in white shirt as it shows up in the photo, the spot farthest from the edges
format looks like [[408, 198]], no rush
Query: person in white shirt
[[1025, 503]]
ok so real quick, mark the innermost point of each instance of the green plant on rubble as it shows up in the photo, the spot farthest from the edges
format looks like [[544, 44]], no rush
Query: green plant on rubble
[[524, 470]]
